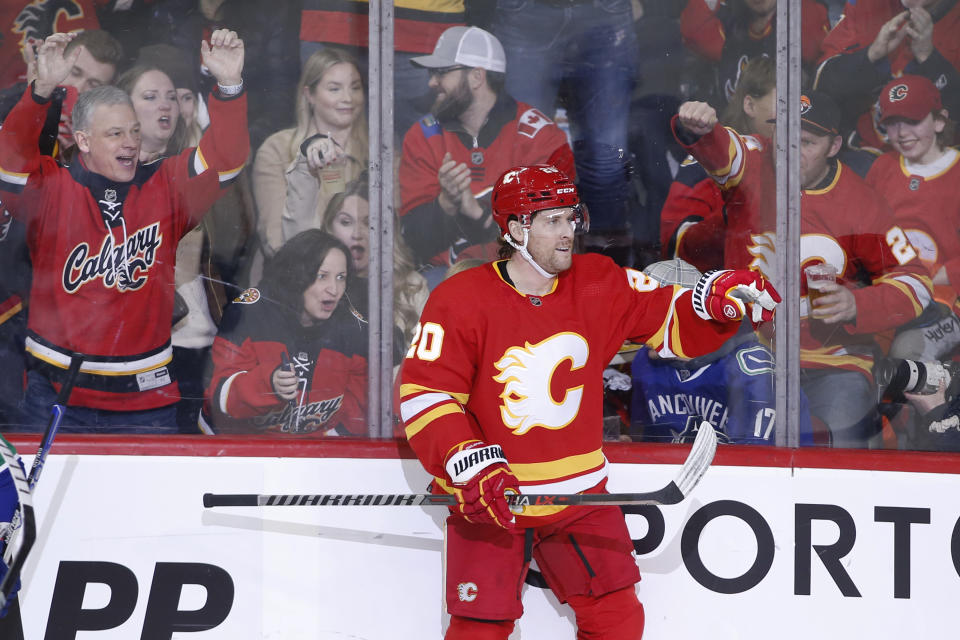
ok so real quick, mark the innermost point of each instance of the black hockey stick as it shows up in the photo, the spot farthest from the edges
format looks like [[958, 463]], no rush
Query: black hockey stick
[[696, 464], [23, 520], [56, 415]]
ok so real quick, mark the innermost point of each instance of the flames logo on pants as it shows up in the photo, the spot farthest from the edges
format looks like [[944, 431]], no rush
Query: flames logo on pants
[[467, 591], [526, 374]]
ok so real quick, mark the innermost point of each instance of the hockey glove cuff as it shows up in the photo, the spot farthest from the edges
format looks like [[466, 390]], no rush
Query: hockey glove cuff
[[481, 479], [727, 296]]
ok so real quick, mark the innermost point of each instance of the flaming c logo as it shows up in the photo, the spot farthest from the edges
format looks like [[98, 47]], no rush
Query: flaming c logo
[[898, 92], [805, 105], [526, 373], [467, 591]]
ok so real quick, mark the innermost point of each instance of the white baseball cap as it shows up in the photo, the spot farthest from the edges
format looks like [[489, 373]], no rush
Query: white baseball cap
[[467, 46]]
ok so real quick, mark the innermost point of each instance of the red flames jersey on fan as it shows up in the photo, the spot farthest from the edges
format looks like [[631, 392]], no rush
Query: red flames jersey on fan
[[488, 363], [329, 360], [927, 208], [527, 137], [85, 296], [691, 220], [749, 194], [844, 223], [514, 134], [22, 19]]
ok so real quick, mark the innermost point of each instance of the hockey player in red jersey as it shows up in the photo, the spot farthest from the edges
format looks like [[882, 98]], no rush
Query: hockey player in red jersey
[[501, 391], [103, 235], [881, 284]]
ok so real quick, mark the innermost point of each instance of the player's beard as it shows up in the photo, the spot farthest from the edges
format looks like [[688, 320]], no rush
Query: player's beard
[[549, 259], [451, 106]]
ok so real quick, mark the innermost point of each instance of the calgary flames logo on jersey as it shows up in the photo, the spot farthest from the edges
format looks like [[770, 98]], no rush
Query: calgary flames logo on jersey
[[123, 265], [527, 372], [308, 417], [40, 18], [814, 247]]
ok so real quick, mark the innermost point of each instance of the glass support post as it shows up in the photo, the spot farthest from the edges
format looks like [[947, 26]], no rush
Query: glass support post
[[787, 324], [380, 291]]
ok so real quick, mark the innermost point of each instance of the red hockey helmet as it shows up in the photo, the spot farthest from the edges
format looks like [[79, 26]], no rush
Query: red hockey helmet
[[523, 191]]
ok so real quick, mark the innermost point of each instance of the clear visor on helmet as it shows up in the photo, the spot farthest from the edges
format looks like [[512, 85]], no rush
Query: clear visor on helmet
[[580, 218]]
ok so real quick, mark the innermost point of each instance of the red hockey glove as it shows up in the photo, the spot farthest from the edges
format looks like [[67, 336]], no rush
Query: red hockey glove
[[481, 477], [726, 295]]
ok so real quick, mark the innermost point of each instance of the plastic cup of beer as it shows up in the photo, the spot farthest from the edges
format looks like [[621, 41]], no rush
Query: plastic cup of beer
[[819, 276]]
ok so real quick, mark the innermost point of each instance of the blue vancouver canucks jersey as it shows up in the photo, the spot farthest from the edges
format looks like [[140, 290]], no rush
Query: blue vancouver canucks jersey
[[732, 389]]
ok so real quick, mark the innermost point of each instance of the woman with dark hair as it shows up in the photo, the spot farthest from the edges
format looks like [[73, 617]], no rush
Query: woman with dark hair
[[291, 354]]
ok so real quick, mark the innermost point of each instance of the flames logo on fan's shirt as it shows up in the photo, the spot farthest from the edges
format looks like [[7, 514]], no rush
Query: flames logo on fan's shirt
[[303, 418], [139, 254], [526, 373]]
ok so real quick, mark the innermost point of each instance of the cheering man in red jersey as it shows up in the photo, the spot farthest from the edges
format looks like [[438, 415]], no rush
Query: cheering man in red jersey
[[103, 235]]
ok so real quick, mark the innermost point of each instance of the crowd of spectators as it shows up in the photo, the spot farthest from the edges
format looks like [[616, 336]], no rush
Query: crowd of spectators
[[662, 111]]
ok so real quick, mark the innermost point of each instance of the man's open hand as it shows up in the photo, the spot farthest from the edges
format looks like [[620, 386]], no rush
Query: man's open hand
[[223, 56]]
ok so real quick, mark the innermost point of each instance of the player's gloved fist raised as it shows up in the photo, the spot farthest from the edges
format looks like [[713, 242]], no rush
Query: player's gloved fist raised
[[727, 295], [481, 479]]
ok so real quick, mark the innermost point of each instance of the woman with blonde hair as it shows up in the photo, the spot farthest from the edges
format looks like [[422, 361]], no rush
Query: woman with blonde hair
[[297, 171], [347, 217], [163, 131]]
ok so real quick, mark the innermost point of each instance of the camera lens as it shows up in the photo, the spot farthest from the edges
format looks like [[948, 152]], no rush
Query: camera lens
[[897, 376]]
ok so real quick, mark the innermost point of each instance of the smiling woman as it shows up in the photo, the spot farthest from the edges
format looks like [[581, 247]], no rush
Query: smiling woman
[[298, 171]]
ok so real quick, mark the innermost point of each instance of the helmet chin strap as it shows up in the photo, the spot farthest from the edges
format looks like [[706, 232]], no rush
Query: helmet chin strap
[[522, 249]]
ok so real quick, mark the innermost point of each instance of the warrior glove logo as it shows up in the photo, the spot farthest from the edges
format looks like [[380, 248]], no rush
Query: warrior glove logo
[[527, 373]]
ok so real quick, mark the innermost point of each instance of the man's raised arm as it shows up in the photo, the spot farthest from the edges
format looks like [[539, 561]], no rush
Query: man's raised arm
[[19, 153], [225, 144]]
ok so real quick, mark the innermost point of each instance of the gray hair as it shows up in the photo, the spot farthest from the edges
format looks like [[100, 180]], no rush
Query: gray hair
[[88, 101]]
